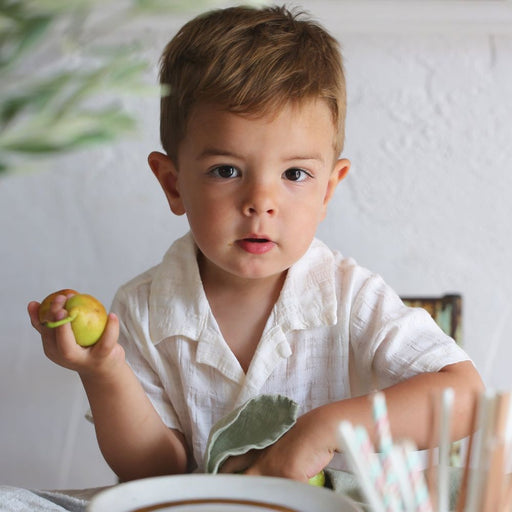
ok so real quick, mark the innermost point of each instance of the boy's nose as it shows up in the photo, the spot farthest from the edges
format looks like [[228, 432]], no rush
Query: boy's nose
[[259, 200]]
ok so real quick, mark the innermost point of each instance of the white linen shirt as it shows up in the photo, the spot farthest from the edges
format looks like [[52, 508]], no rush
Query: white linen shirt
[[336, 331]]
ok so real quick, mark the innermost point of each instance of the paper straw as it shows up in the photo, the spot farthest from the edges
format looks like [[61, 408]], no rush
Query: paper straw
[[494, 488], [381, 419], [385, 445], [374, 467], [399, 466], [507, 481], [348, 442], [507, 498], [419, 487], [461, 499], [478, 456], [443, 496], [432, 443]]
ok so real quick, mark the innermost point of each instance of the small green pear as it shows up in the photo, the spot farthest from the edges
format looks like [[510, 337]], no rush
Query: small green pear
[[87, 316], [318, 480]]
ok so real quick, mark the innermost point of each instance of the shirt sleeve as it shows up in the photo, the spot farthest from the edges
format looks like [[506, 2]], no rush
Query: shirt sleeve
[[131, 307], [391, 342]]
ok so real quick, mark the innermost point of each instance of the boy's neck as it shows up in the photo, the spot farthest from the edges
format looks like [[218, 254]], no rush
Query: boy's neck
[[241, 308], [217, 281]]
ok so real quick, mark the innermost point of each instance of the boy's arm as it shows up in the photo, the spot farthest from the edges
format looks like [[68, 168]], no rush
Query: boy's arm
[[132, 437], [310, 445]]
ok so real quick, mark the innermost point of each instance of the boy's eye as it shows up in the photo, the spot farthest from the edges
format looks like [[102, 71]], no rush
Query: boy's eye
[[225, 171], [295, 174]]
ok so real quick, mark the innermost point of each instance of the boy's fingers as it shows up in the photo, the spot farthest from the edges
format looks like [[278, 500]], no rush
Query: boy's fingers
[[65, 342], [239, 463], [109, 337], [33, 311], [57, 310]]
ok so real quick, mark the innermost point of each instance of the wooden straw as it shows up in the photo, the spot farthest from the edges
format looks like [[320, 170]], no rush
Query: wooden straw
[[507, 497], [431, 472]]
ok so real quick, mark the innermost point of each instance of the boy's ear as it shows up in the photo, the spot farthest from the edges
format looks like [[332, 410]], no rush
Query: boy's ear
[[167, 175], [340, 170]]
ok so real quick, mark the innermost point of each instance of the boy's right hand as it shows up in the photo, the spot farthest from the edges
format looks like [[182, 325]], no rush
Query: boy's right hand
[[60, 346]]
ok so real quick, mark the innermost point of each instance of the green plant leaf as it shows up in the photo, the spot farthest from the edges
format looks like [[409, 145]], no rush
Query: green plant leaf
[[24, 36], [73, 100]]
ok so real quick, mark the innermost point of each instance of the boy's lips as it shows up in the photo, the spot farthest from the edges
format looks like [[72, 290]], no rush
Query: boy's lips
[[256, 244]]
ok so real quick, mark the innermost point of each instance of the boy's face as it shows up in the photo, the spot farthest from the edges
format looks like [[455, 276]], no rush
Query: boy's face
[[254, 189]]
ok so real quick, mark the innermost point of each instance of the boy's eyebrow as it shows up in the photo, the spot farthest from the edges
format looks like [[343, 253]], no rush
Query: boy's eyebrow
[[216, 152], [211, 151], [314, 156]]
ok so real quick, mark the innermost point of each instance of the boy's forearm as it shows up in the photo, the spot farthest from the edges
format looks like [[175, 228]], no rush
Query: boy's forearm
[[410, 405], [131, 435]]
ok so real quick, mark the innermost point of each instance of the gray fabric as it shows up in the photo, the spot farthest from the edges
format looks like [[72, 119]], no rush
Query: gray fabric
[[14, 499]]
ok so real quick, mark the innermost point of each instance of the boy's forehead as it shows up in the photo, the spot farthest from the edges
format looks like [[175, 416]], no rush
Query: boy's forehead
[[305, 108], [217, 128]]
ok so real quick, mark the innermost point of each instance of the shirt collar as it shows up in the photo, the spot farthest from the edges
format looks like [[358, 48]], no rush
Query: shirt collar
[[177, 302], [308, 298], [178, 305]]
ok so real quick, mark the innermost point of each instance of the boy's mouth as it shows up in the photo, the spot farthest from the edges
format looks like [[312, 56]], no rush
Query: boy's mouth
[[257, 240], [256, 245]]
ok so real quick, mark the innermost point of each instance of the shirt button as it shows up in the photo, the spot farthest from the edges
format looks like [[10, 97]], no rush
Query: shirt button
[[284, 349]]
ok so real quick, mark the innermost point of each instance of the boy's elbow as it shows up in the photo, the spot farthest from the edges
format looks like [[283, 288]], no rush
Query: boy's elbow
[[465, 378], [468, 387]]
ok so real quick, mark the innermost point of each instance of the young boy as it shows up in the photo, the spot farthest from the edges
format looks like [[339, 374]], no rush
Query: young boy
[[249, 302]]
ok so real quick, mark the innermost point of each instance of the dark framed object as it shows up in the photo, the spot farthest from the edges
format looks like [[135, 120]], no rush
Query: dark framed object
[[446, 310]]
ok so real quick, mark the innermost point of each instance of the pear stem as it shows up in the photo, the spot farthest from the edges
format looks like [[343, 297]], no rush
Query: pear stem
[[66, 320]]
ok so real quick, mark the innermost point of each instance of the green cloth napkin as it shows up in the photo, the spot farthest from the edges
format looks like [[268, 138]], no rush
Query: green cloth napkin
[[256, 424]]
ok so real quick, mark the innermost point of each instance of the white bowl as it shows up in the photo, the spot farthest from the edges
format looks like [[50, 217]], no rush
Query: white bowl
[[219, 493]]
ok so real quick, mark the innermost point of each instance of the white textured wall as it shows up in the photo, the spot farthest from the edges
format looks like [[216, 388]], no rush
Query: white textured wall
[[427, 205]]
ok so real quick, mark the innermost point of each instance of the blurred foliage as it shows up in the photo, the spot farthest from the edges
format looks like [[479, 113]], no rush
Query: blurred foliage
[[63, 78]]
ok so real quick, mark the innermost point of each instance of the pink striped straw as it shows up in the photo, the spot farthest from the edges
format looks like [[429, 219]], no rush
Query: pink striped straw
[[385, 446], [374, 466], [422, 502], [381, 419], [348, 445]]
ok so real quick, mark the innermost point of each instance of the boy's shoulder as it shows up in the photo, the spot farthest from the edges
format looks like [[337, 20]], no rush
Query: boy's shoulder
[[178, 262], [350, 280], [321, 256]]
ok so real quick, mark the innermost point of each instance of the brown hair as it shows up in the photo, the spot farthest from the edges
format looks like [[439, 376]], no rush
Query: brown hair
[[249, 61]]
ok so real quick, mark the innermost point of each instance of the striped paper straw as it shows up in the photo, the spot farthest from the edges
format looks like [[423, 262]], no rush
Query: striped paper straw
[[381, 419], [399, 464], [421, 495], [385, 446], [374, 467], [348, 445]]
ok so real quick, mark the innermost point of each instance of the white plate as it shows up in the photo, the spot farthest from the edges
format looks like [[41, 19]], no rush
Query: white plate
[[219, 493]]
